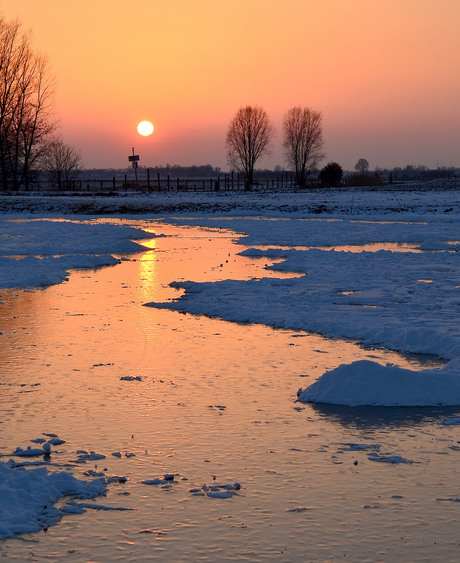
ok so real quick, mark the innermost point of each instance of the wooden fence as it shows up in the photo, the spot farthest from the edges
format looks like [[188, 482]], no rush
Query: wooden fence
[[148, 182]]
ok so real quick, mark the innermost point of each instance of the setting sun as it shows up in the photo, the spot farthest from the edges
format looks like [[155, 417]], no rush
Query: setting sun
[[145, 128]]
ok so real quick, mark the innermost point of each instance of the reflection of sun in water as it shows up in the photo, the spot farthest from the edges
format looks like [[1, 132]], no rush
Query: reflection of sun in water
[[151, 244], [148, 272], [145, 128]]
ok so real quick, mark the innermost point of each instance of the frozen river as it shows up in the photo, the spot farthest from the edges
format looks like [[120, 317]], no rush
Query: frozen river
[[251, 474]]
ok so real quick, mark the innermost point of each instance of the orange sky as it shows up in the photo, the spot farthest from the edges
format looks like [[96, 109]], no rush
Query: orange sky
[[384, 73]]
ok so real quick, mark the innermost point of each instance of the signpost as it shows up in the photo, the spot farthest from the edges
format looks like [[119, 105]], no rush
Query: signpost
[[134, 159]]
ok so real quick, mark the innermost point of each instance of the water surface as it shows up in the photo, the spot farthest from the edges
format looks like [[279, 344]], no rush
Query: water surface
[[215, 405]]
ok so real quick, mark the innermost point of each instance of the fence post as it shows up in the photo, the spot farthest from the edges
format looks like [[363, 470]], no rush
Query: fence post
[[177, 184], [168, 182], [159, 181]]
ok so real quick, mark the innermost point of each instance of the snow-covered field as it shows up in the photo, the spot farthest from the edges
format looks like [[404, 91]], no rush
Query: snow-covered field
[[379, 267], [411, 199]]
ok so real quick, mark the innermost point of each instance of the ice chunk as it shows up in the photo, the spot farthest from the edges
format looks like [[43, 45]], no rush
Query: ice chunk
[[368, 383], [28, 497]]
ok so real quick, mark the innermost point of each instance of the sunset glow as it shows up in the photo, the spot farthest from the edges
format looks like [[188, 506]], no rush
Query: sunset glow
[[384, 74]]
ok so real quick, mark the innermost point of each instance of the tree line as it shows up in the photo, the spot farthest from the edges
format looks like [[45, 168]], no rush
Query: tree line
[[28, 126]]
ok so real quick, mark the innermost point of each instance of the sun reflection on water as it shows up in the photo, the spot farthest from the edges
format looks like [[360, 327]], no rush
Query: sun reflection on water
[[149, 283]]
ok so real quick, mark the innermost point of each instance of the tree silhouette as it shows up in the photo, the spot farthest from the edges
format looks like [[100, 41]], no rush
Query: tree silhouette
[[248, 138], [62, 163], [303, 141], [26, 119], [362, 166]]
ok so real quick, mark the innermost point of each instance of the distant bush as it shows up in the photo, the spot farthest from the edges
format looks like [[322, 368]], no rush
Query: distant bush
[[364, 179], [331, 175]]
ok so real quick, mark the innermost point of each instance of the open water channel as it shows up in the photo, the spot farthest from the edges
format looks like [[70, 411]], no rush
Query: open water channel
[[212, 403]]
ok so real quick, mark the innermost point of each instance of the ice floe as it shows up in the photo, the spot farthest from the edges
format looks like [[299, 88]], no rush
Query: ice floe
[[451, 421], [29, 490], [41, 253], [28, 497], [368, 383], [130, 378], [388, 458], [216, 491]]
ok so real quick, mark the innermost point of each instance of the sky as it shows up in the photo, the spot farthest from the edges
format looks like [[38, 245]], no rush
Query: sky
[[384, 74]]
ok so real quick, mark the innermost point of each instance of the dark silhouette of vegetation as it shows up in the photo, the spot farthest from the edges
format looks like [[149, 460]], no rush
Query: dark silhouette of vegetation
[[303, 141], [62, 162], [177, 171], [421, 172], [331, 175], [362, 166], [248, 138], [365, 179], [26, 119]]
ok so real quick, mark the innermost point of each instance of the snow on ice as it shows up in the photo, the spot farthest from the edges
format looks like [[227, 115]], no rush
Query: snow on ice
[[39, 253], [28, 495], [368, 383]]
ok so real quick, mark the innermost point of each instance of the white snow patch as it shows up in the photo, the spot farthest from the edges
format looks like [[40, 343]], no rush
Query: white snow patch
[[41, 253], [451, 421], [27, 497], [368, 383]]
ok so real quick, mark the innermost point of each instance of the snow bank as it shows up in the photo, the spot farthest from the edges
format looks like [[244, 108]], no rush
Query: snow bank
[[39, 272], [406, 302], [28, 495], [49, 238], [364, 383], [47, 250], [323, 232]]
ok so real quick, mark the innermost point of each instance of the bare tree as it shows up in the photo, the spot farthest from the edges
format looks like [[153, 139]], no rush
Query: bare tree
[[362, 166], [303, 141], [62, 162], [248, 138], [26, 118]]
